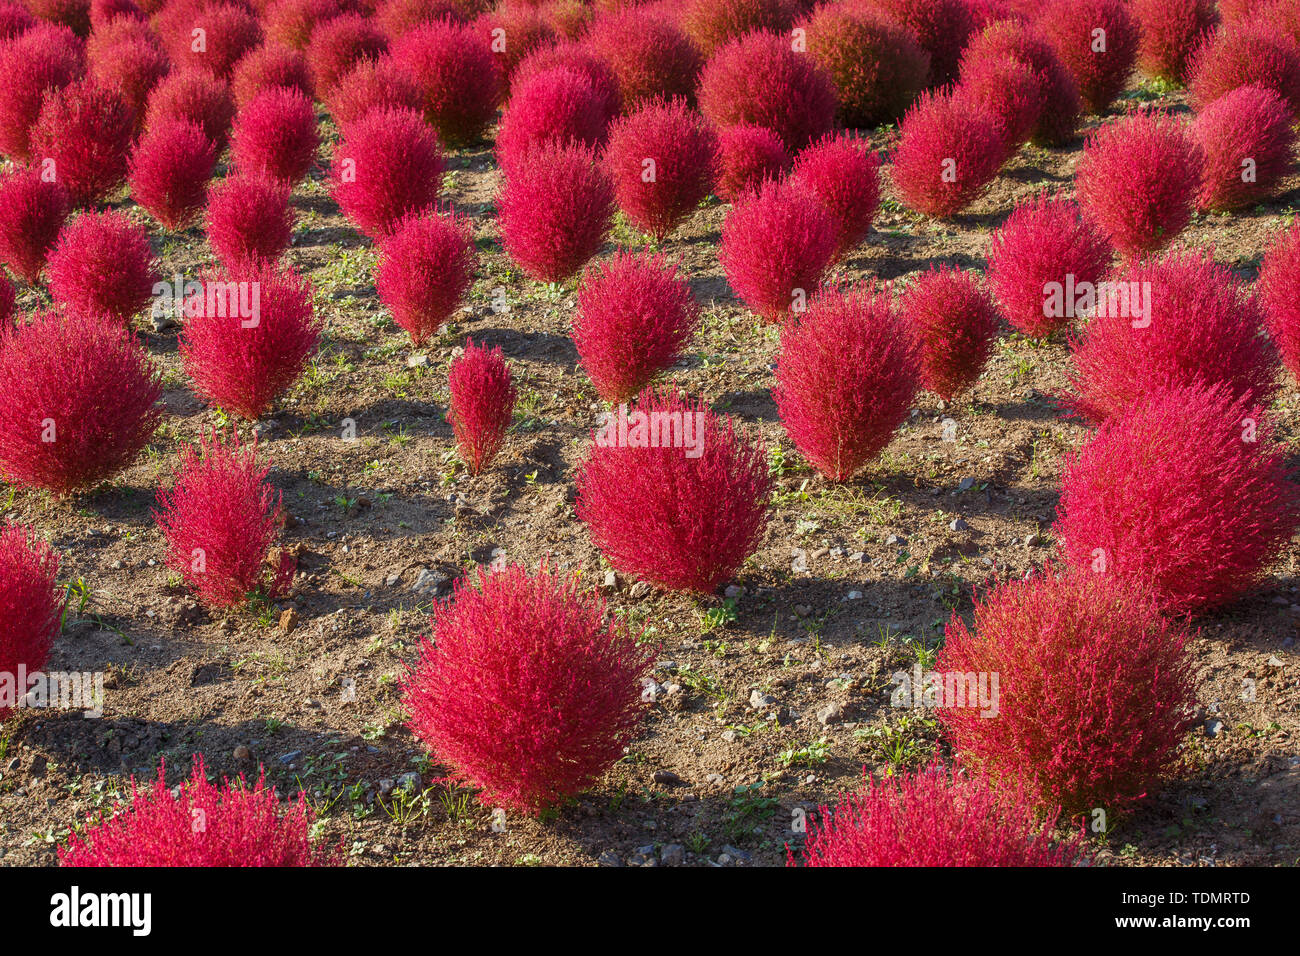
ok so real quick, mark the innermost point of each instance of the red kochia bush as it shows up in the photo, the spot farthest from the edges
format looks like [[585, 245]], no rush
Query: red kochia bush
[[32, 64], [696, 537], [220, 519], [878, 66], [525, 689], [458, 78], [198, 97], [387, 165], [760, 79], [229, 32], [73, 15], [169, 171], [1246, 53], [32, 211], [514, 31], [481, 404], [1138, 180], [249, 220], [1202, 328], [399, 17], [1185, 493], [1246, 141], [942, 27], [1010, 90], [130, 67], [846, 375], [555, 211], [104, 12], [291, 22], [649, 54], [86, 133], [1045, 240], [776, 245], [713, 23], [337, 45], [102, 266], [580, 59], [269, 66], [663, 162], [242, 359], [373, 84], [425, 268], [1279, 277], [1095, 689], [1099, 62], [955, 324], [948, 152], [1001, 39], [15, 20], [936, 818], [747, 155], [31, 603], [558, 104], [241, 826], [8, 301], [635, 314], [844, 175], [80, 402], [275, 135], [1170, 30]]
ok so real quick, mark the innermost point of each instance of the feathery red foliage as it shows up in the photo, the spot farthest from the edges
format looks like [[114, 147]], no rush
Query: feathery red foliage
[[1246, 141], [459, 79], [955, 324], [15, 20], [229, 31], [481, 404], [559, 104], [249, 220], [387, 165], [580, 59], [241, 826], [339, 44], [934, 817], [104, 12], [8, 302], [169, 171], [373, 84], [696, 536], [1097, 40], [648, 53], [1249, 53], [130, 67], [396, 18], [425, 268], [220, 519], [32, 211], [513, 31], [1169, 31], [1095, 689], [291, 22], [275, 135], [1010, 91], [102, 266], [31, 604], [1279, 277], [555, 211], [1184, 492], [635, 314], [948, 152], [248, 336], [844, 175], [846, 375], [759, 79], [198, 97], [267, 67], [942, 27], [1138, 179], [85, 133], [711, 24], [748, 155], [1045, 240], [525, 689], [80, 402]]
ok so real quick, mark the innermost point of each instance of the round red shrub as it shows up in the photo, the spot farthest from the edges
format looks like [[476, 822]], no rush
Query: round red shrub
[[759, 79], [572, 56], [339, 44], [291, 22], [8, 302], [102, 266], [696, 536], [31, 605], [73, 15], [555, 211], [425, 268], [648, 53], [1097, 40], [1010, 91], [525, 689], [104, 12], [936, 818], [512, 31], [748, 155], [877, 66], [943, 28], [1184, 492], [1279, 277], [83, 133], [560, 104], [249, 334], [1246, 141], [242, 826], [662, 160], [948, 152], [80, 402], [387, 165], [169, 172], [249, 220], [1095, 690], [458, 77], [846, 375], [396, 18], [15, 20], [275, 135], [1169, 31], [270, 65], [228, 32], [955, 324], [711, 24], [635, 315], [31, 65], [197, 97], [844, 175], [481, 404], [373, 84], [1249, 53], [33, 209], [131, 68]]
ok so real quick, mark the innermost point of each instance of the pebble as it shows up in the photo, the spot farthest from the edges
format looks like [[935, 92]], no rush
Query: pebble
[[667, 778], [1274, 661], [832, 713], [608, 858], [429, 582], [674, 854], [410, 781], [640, 590], [729, 736], [1033, 540], [1213, 727], [958, 524], [758, 700], [854, 596], [802, 610], [858, 556], [837, 553], [966, 484], [116, 565], [733, 591], [738, 855], [799, 563], [392, 580], [894, 540], [716, 779], [290, 757]]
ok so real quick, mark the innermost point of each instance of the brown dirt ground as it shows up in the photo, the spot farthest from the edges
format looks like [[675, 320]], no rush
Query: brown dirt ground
[[183, 680]]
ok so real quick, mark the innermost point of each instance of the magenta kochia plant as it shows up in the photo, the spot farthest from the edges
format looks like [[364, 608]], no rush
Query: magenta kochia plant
[[32, 211], [387, 165], [275, 135], [949, 150], [425, 268], [102, 265], [249, 220], [83, 135], [170, 168], [1247, 144], [31, 603], [1279, 277], [1099, 62], [844, 175], [482, 403], [955, 323]]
